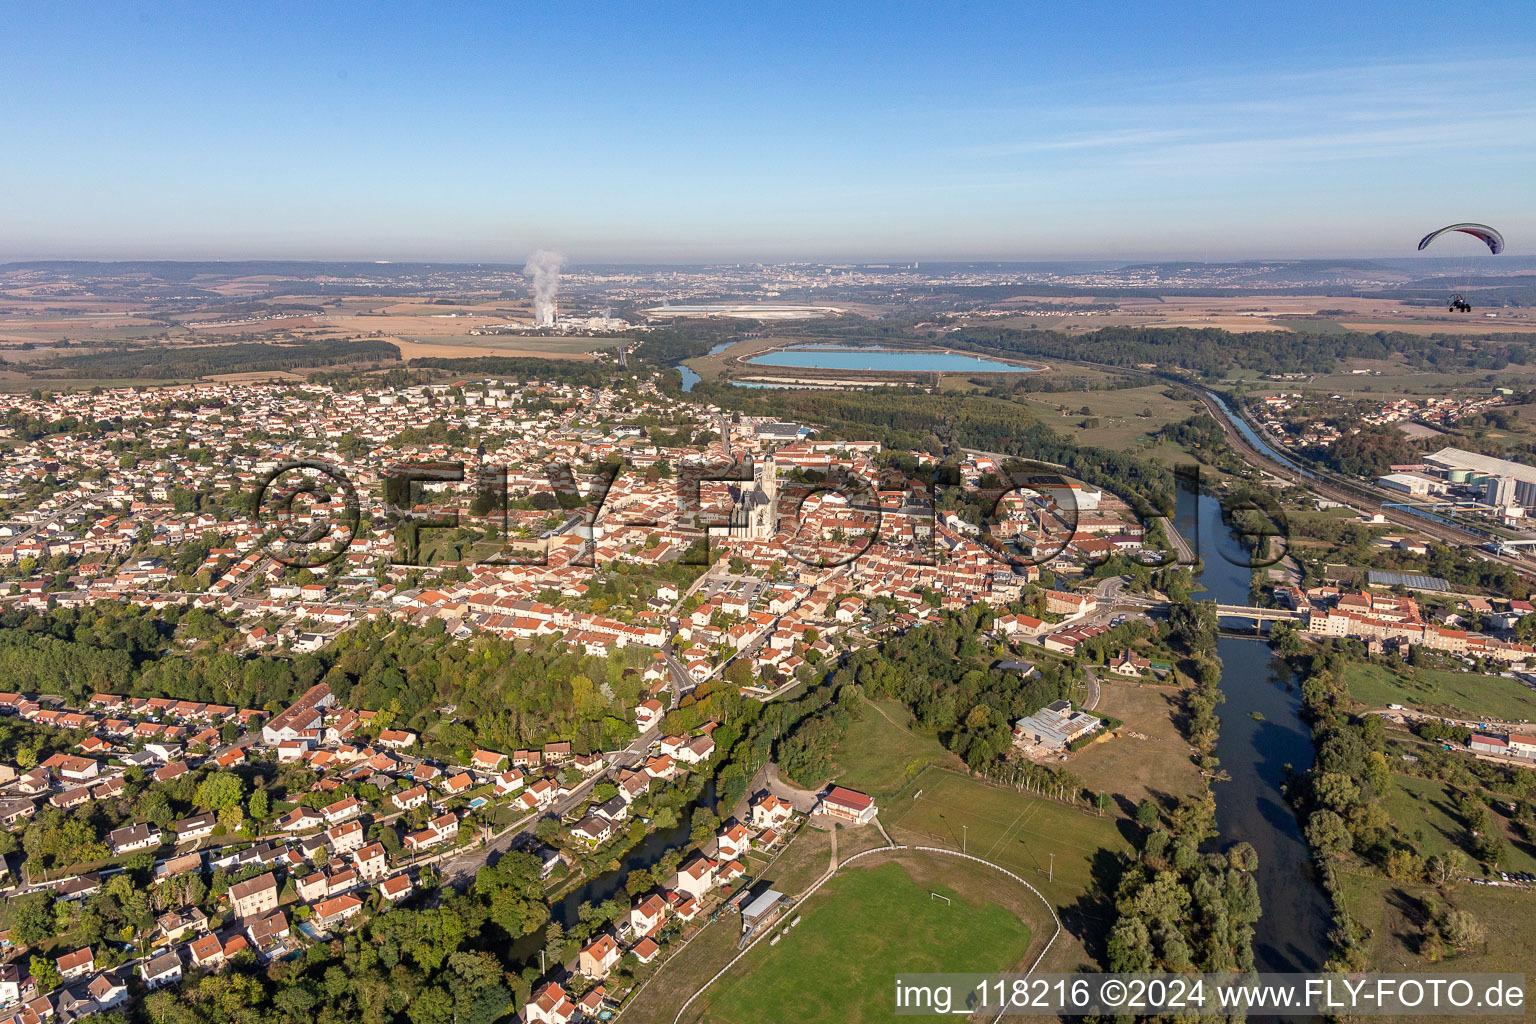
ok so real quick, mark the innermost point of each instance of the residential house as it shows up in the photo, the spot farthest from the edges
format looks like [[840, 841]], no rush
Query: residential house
[[337, 910], [164, 969], [648, 915], [598, 957], [255, 896], [267, 933], [487, 761], [593, 829], [371, 862], [1127, 663], [300, 819], [550, 1005], [107, 991], [207, 952], [342, 810], [346, 837], [771, 812], [196, 827], [696, 877], [733, 841], [173, 925], [396, 888], [77, 964], [131, 838]]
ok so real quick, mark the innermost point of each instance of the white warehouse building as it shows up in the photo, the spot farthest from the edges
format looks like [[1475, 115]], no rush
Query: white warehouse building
[[1508, 483]]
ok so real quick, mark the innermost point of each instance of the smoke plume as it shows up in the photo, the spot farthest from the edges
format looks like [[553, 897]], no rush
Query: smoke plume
[[543, 269]]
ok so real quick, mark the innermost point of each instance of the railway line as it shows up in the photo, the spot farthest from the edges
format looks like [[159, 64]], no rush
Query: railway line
[[1329, 486], [1320, 481]]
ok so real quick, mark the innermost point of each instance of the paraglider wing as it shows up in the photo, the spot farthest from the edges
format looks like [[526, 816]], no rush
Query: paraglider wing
[[1489, 237]]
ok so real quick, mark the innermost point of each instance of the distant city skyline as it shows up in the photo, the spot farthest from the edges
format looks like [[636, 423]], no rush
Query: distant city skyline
[[684, 134]]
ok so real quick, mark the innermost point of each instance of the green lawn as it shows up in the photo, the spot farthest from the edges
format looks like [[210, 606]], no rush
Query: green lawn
[[1426, 818], [1119, 413], [1466, 694], [1015, 830], [1393, 912], [840, 963], [882, 750]]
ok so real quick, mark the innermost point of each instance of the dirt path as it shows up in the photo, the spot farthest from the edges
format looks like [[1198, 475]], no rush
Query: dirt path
[[888, 718]]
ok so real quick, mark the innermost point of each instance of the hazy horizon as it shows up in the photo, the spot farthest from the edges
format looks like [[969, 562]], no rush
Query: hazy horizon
[[1477, 259]]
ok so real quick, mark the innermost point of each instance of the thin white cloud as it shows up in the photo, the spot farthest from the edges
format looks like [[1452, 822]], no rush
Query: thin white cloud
[[1352, 113]]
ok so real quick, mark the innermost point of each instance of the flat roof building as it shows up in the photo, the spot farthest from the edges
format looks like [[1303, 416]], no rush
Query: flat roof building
[[761, 909], [1055, 726]]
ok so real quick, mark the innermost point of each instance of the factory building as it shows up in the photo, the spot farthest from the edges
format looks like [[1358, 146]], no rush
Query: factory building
[[1503, 483]]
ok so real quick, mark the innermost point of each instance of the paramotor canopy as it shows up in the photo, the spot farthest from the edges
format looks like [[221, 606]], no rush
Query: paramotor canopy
[[1489, 237]]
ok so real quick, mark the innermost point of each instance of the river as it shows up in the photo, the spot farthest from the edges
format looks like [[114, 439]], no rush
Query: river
[[645, 854], [1292, 934], [690, 375]]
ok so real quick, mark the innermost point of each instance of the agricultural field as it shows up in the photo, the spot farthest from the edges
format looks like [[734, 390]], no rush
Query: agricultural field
[[1463, 694], [460, 346], [1392, 378], [1253, 311], [16, 382], [839, 963]]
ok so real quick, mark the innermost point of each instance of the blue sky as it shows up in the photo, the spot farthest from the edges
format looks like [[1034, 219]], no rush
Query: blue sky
[[674, 132]]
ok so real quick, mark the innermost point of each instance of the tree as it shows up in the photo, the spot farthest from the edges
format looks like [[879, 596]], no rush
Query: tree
[[1146, 812], [431, 1006], [1404, 866], [1243, 857], [196, 889], [31, 917], [1327, 833], [1490, 846], [1446, 867], [295, 1002], [46, 973], [219, 791], [1130, 946], [1284, 640], [1461, 930], [232, 818]]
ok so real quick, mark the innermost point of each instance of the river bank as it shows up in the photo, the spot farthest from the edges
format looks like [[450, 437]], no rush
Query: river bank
[[1256, 755]]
